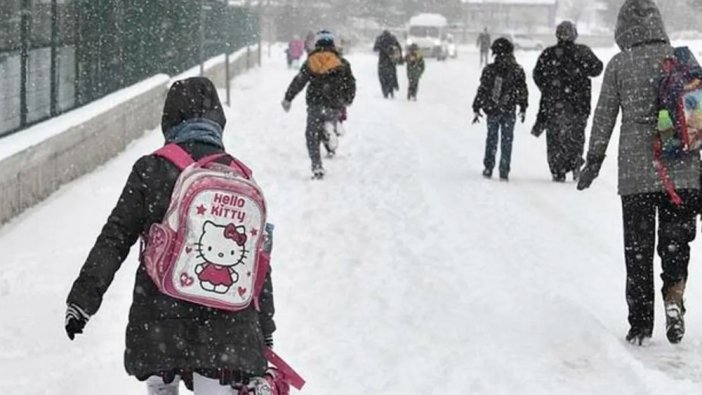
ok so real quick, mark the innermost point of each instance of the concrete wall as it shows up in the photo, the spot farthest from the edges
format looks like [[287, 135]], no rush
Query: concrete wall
[[32, 174]]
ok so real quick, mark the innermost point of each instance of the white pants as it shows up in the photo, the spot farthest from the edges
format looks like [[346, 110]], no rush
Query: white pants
[[201, 386]]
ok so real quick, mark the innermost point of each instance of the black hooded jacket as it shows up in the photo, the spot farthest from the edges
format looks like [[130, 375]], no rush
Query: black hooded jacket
[[502, 87], [165, 334], [563, 75], [331, 81]]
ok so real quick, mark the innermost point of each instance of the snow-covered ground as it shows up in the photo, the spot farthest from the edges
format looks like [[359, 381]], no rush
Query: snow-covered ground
[[403, 272]]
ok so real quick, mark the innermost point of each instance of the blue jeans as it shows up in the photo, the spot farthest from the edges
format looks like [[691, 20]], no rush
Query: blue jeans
[[503, 122]]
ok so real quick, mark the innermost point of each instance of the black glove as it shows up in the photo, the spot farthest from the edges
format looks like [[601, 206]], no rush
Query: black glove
[[589, 172], [76, 318], [268, 339], [476, 118], [522, 114]]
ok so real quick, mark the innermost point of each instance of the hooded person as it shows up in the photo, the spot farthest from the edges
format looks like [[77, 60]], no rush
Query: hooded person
[[502, 88], [563, 74], [415, 68], [389, 56], [167, 338], [631, 83], [332, 87]]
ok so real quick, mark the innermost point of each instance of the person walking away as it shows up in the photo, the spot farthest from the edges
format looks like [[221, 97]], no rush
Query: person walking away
[[332, 87], [483, 43], [296, 48], [169, 339], [563, 74], [389, 56], [502, 88], [631, 82], [415, 68]]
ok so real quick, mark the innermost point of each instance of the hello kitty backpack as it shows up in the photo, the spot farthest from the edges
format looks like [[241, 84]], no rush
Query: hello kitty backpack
[[209, 247]]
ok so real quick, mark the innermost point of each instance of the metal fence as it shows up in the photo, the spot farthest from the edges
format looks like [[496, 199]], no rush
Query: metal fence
[[56, 55]]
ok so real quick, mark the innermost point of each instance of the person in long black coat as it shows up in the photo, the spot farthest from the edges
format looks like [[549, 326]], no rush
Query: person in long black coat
[[389, 56], [167, 338], [563, 74]]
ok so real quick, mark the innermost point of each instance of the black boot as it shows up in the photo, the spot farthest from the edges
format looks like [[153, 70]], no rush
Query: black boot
[[638, 336], [487, 173]]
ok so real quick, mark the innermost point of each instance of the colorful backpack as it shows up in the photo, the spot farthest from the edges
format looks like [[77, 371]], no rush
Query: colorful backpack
[[209, 247], [680, 113]]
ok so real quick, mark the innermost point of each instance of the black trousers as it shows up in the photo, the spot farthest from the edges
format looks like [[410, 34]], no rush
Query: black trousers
[[413, 87], [317, 116], [565, 142], [676, 229]]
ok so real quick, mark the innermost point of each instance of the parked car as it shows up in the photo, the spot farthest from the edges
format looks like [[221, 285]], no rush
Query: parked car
[[523, 41]]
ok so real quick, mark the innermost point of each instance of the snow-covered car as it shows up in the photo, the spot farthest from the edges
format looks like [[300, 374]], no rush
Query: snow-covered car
[[523, 41], [428, 31]]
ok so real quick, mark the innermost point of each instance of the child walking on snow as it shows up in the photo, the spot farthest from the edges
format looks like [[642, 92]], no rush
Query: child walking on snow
[[332, 87], [502, 88], [169, 339], [415, 69]]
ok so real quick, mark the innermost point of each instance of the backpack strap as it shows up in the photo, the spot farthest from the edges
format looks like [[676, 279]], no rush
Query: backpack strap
[[176, 155], [235, 163], [290, 376], [264, 266], [668, 184]]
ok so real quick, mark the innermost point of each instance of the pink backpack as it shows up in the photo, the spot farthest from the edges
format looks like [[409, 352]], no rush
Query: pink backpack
[[208, 248]]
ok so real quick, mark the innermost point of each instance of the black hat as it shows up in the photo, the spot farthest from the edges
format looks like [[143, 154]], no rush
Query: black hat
[[192, 98], [502, 46], [567, 31], [324, 39]]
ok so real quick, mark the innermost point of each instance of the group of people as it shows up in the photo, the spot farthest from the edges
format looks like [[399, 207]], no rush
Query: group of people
[[563, 74], [631, 84], [218, 351], [389, 57]]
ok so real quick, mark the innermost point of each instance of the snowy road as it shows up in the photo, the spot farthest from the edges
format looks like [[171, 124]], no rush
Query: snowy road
[[403, 272]]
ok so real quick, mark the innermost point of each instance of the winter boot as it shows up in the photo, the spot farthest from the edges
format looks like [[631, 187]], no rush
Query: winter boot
[[487, 173], [318, 173], [638, 337], [576, 174], [559, 177], [674, 312], [504, 176]]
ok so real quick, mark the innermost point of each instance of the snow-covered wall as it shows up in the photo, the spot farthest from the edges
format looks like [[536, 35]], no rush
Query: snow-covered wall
[[37, 161]]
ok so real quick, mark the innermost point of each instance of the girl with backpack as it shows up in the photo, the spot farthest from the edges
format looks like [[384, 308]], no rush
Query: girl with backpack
[[169, 339], [502, 88], [631, 82]]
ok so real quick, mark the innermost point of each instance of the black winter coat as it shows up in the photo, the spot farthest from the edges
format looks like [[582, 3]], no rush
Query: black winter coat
[[389, 55], [165, 334], [563, 75], [331, 81], [502, 88]]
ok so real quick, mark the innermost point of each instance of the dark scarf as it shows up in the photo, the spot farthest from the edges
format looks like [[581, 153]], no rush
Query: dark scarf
[[199, 130]]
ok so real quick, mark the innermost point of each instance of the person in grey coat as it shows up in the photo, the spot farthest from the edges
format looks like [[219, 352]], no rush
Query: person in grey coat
[[631, 83]]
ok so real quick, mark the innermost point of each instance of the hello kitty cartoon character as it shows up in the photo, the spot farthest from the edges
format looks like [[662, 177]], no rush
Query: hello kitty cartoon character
[[222, 248]]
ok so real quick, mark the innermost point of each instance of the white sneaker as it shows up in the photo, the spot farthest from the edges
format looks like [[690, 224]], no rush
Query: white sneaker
[[330, 136]]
